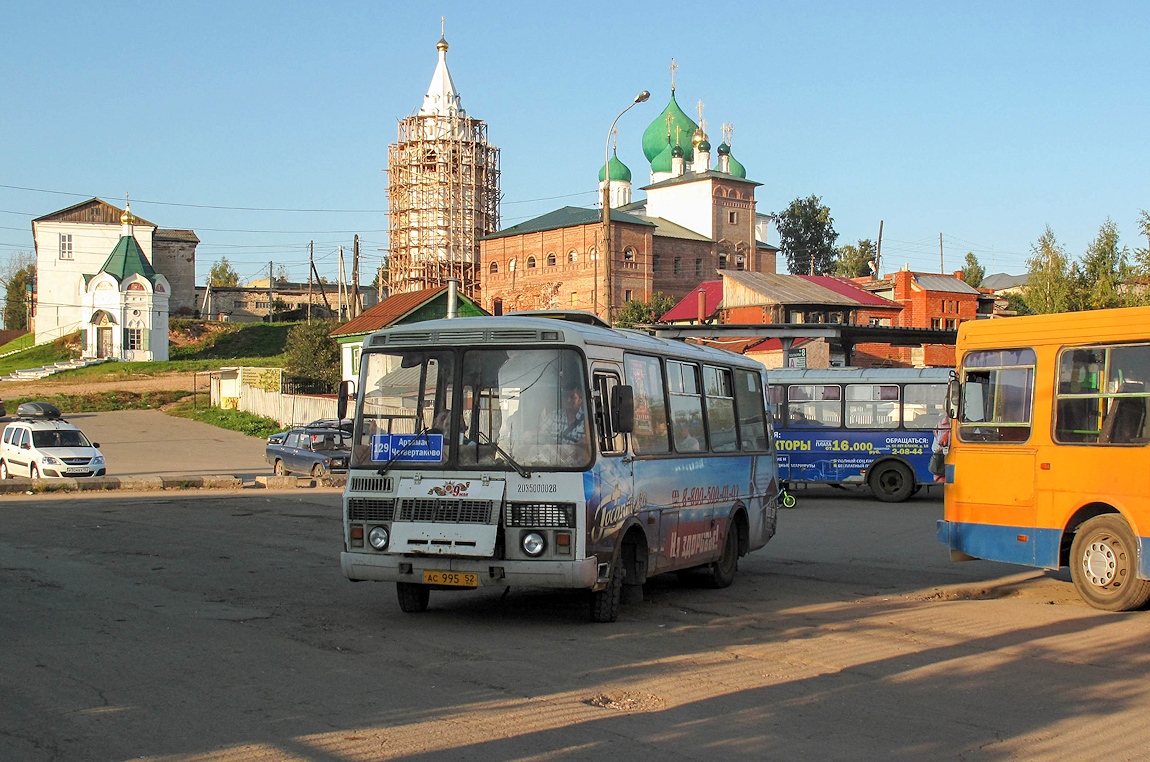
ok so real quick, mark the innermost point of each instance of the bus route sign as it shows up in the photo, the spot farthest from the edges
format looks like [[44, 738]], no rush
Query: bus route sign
[[411, 448]]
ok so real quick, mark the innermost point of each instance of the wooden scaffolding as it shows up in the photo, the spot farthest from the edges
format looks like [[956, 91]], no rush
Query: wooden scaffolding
[[443, 196]]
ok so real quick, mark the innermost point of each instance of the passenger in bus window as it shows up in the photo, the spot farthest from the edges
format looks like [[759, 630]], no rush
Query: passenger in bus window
[[567, 426]]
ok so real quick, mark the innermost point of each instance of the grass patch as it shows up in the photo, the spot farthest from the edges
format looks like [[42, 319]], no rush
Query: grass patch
[[223, 341], [20, 342], [102, 402], [60, 350], [234, 420], [125, 371]]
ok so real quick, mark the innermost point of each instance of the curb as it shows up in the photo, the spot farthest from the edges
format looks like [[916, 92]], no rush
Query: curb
[[154, 483]]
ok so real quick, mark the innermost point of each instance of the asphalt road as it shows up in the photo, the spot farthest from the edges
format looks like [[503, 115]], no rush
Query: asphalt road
[[218, 626], [150, 443]]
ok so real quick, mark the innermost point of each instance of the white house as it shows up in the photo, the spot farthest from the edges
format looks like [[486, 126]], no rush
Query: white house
[[72, 245]]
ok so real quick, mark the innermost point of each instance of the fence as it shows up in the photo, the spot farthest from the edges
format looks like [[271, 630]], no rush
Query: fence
[[288, 409]]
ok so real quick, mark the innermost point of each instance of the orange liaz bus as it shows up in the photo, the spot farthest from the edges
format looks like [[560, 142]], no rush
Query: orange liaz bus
[[1049, 461]]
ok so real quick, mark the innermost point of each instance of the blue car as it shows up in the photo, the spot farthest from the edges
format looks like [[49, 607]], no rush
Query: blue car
[[314, 450]]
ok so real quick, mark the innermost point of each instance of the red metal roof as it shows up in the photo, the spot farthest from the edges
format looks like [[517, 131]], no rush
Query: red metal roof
[[387, 312], [688, 307], [849, 288]]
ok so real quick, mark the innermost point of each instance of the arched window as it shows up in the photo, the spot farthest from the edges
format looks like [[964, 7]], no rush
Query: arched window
[[160, 289], [629, 254], [722, 261], [494, 268], [572, 256], [740, 262], [511, 264], [551, 259], [531, 263], [136, 287]]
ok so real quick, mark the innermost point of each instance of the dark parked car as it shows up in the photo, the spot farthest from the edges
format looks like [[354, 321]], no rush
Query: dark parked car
[[315, 450]]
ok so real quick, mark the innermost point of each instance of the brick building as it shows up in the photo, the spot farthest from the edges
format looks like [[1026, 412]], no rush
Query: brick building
[[695, 222], [929, 301]]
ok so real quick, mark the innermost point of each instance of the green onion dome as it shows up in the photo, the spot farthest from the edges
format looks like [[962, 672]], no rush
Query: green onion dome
[[682, 129], [677, 152], [616, 169], [662, 162], [724, 149], [735, 168], [705, 145]]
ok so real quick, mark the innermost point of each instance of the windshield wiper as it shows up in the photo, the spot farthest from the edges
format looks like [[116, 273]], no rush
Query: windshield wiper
[[510, 461], [391, 462]]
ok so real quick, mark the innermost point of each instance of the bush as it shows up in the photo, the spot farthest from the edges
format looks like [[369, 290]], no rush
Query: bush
[[312, 354]]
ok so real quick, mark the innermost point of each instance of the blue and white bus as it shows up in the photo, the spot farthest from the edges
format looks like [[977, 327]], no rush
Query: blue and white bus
[[542, 452], [872, 426]]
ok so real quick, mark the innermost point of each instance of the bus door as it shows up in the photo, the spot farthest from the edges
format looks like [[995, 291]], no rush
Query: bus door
[[613, 477], [996, 483]]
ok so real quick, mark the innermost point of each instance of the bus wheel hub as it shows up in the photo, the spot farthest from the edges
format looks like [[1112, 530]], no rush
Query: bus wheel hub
[[1099, 563]]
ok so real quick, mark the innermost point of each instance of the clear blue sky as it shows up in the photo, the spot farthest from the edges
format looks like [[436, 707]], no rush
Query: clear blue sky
[[985, 122]]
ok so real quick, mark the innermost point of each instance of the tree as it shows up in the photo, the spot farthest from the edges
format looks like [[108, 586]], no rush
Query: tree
[[973, 272], [1050, 286], [15, 284], [282, 274], [223, 274], [1139, 280], [807, 236], [1104, 268], [855, 260], [1016, 303], [641, 313], [312, 353]]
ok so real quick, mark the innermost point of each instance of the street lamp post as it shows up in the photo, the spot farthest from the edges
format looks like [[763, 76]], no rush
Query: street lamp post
[[605, 250]]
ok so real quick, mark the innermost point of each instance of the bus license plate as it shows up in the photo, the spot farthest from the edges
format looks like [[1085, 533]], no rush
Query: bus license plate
[[454, 579]]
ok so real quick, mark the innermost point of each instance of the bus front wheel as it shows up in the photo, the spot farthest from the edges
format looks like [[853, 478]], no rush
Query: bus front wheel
[[412, 598], [891, 482], [1104, 565]]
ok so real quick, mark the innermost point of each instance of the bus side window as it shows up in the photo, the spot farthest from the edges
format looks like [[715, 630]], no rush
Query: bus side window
[[686, 407], [646, 378], [720, 398], [752, 416], [610, 441], [814, 405]]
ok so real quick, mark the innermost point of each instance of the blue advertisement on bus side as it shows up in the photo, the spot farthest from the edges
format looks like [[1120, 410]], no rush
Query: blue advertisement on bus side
[[836, 456]]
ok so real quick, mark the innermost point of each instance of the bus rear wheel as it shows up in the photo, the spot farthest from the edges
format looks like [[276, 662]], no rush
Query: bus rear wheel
[[891, 482], [1104, 565], [412, 598], [722, 573]]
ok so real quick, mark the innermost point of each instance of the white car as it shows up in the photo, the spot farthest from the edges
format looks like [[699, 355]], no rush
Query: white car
[[47, 447]]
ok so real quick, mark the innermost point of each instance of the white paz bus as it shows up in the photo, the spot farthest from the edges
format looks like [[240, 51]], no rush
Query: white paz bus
[[560, 453]]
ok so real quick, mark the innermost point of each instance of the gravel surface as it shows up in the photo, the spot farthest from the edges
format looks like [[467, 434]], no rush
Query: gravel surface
[[62, 385]]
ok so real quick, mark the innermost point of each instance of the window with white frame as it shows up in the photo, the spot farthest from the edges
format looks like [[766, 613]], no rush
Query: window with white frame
[[133, 338], [66, 246]]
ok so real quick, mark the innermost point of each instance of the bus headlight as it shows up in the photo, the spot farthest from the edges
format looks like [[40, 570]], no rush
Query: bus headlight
[[378, 537], [533, 543]]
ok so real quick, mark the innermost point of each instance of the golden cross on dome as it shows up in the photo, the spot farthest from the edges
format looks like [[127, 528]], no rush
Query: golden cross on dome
[[699, 106], [728, 131], [669, 120], [442, 23], [673, 67]]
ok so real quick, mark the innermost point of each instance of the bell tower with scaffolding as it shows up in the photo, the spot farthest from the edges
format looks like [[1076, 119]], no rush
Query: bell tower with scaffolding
[[443, 192]]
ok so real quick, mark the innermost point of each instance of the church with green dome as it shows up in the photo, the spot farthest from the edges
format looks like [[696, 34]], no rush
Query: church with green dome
[[698, 217]]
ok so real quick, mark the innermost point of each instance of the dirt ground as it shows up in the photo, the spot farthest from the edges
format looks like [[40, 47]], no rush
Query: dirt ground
[[53, 385]]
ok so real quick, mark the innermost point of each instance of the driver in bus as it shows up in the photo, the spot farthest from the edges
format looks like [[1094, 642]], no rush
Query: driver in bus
[[567, 426]]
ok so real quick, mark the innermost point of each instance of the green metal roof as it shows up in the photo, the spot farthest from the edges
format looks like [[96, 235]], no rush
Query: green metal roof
[[568, 216], [690, 177], [127, 259]]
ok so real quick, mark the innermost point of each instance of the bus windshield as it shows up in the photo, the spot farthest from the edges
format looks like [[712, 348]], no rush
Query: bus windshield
[[489, 408]]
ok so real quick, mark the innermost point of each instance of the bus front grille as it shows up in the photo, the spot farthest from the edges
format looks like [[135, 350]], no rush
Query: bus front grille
[[371, 484], [446, 511], [541, 515], [370, 509]]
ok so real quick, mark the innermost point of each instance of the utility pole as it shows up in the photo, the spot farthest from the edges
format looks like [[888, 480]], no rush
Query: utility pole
[[310, 267], [941, 267], [379, 283], [341, 288], [271, 296], [355, 277], [878, 253]]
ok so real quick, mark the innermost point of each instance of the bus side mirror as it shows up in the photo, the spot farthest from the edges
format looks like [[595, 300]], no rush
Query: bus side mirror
[[953, 396], [623, 409], [345, 391]]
